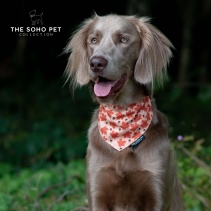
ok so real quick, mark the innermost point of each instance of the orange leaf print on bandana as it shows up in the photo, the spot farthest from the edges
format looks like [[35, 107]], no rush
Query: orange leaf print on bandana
[[124, 125], [104, 130], [121, 143], [114, 134], [144, 124], [129, 114], [110, 113], [113, 124], [120, 115], [134, 126], [127, 134], [103, 117]]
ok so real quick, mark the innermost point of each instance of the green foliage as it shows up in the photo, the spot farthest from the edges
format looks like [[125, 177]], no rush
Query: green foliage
[[42, 124], [4, 202], [188, 111], [61, 187], [194, 173]]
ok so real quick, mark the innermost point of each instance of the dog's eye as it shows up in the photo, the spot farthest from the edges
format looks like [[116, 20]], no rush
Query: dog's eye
[[123, 40], [93, 40]]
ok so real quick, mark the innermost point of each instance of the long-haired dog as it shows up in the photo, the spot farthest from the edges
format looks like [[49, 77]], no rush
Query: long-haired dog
[[130, 165]]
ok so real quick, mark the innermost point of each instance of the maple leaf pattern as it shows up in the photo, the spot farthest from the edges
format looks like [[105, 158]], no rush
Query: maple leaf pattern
[[112, 124], [121, 143], [121, 126], [103, 117], [130, 114], [104, 130], [114, 134], [124, 125], [134, 126], [137, 108], [144, 124], [110, 113], [145, 109], [127, 134], [120, 115]]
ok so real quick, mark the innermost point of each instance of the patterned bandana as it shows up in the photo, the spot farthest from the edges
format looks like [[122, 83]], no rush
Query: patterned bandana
[[120, 127]]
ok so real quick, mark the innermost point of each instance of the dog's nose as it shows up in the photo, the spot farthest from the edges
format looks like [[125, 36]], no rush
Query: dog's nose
[[97, 64]]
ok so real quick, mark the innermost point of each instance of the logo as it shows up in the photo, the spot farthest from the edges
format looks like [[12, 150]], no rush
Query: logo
[[36, 19], [37, 29]]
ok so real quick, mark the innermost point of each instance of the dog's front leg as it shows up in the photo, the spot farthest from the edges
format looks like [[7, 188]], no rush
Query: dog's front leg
[[97, 194]]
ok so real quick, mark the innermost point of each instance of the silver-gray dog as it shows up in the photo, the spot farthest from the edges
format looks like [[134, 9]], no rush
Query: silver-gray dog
[[130, 165]]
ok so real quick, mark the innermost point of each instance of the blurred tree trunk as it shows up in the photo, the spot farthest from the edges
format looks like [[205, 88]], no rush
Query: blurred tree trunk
[[193, 13], [205, 76], [187, 10], [19, 57]]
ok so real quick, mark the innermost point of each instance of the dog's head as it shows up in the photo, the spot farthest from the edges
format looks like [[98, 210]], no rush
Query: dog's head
[[32, 13], [111, 51]]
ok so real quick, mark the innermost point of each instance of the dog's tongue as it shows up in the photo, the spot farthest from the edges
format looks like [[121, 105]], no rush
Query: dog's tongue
[[102, 89]]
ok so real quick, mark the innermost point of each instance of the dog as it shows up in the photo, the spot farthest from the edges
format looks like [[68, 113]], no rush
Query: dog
[[35, 18], [129, 162]]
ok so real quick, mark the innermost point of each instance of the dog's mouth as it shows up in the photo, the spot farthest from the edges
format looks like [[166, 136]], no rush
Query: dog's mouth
[[104, 87]]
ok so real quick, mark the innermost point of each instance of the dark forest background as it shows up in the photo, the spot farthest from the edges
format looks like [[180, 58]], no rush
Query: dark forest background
[[42, 126]]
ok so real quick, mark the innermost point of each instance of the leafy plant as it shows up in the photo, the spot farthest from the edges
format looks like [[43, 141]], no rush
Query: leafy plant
[[194, 173], [58, 187]]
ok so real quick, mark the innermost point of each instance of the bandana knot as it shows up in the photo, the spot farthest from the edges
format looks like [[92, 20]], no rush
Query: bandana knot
[[120, 126]]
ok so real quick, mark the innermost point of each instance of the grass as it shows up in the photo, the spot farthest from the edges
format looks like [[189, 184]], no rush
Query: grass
[[59, 187]]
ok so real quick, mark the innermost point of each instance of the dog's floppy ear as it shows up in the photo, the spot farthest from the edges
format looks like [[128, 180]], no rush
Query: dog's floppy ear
[[155, 52], [77, 66]]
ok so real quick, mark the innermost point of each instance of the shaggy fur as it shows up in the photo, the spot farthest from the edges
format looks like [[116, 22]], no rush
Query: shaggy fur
[[130, 50]]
